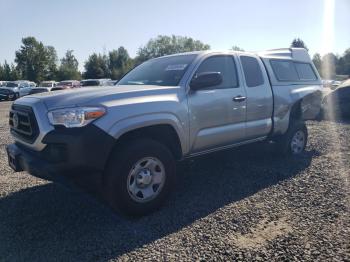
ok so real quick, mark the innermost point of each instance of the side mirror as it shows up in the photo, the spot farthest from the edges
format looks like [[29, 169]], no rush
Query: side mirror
[[206, 79]]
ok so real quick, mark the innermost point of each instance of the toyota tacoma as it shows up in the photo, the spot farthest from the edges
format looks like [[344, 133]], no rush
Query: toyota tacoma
[[165, 110]]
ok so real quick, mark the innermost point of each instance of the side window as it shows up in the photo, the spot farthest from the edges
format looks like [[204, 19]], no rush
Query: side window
[[252, 71], [284, 70], [305, 71], [223, 64]]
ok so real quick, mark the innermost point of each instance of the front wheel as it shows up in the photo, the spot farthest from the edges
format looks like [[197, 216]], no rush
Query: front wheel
[[294, 141], [15, 96], [139, 177]]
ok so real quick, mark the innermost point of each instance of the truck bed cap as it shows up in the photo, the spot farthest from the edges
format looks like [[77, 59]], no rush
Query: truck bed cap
[[297, 54]]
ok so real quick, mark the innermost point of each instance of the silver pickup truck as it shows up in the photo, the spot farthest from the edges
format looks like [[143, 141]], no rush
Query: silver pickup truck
[[165, 110]]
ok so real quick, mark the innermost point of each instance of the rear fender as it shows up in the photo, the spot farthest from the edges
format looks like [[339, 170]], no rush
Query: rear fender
[[299, 102]]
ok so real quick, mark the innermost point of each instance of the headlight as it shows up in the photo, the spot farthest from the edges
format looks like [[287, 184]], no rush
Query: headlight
[[75, 117]]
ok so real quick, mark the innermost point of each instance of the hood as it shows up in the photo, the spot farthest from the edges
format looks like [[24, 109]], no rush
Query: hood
[[100, 95], [7, 89]]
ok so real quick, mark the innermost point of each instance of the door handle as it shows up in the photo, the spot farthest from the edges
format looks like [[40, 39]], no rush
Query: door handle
[[239, 98]]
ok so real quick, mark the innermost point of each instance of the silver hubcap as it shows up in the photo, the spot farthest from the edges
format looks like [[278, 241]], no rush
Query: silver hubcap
[[298, 142], [146, 179]]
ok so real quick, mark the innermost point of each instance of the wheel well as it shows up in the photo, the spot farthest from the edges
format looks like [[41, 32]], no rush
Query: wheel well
[[296, 112], [164, 134]]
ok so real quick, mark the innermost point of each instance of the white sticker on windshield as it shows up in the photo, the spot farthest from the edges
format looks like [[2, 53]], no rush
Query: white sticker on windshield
[[178, 67]]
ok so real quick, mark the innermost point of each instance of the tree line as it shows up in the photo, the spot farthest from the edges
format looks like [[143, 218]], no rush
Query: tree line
[[37, 62], [330, 64]]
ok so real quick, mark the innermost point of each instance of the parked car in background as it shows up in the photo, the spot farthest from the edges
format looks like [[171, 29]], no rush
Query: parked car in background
[[3, 83], [48, 84], [43, 87], [8, 94], [32, 84], [14, 90], [37, 90], [94, 82], [112, 82], [67, 84]]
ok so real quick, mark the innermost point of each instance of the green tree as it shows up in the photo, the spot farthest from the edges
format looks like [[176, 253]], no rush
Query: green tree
[[9, 72], [14, 73], [237, 48], [51, 72], [297, 42], [96, 66], [68, 69], [1, 73], [316, 59], [346, 62], [35, 61], [340, 66], [167, 45], [119, 63]]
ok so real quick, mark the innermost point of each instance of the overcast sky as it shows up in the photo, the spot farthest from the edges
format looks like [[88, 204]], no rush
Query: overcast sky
[[88, 26]]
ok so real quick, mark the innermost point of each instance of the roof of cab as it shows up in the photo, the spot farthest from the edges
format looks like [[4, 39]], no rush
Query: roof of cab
[[296, 54], [204, 52]]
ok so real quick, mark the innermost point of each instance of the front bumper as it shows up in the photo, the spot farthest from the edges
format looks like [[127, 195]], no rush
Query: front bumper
[[7, 96], [68, 152], [24, 160]]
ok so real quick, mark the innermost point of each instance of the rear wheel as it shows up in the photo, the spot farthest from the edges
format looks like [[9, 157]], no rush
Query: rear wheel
[[294, 141], [139, 177]]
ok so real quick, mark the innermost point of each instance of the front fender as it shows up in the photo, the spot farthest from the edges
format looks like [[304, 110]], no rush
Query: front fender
[[135, 122]]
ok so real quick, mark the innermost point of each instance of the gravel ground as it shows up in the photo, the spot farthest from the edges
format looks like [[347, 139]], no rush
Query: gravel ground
[[246, 204]]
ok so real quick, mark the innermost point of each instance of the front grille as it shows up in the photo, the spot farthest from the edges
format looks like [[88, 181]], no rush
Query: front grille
[[23, 123]]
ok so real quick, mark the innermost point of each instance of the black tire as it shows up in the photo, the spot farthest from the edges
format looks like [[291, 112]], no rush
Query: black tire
[[120, 164], [321, 115], [15, 96], [284, 142]]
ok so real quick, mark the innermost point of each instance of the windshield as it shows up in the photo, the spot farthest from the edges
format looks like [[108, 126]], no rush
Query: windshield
[[90, 83], [165, 71], [11, 84]]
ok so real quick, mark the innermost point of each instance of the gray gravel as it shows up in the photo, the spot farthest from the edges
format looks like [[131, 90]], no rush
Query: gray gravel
[[246, 204]]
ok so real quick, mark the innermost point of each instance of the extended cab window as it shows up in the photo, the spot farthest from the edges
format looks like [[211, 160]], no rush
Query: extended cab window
[[284, 70], [223, 64], [252, 71], [305, 71], [293, 71]]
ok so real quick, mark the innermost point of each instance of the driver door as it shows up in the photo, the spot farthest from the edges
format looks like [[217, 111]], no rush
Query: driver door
[[217, 113], [22, 90]]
